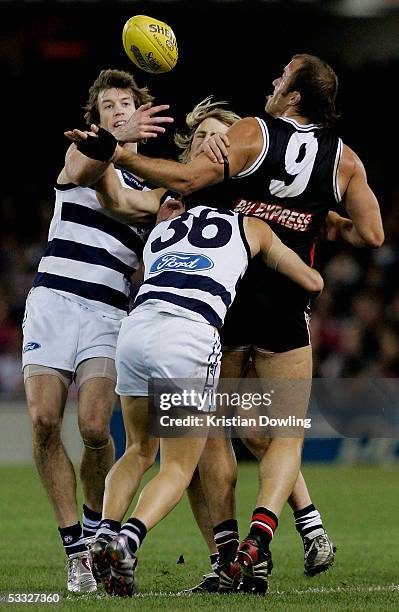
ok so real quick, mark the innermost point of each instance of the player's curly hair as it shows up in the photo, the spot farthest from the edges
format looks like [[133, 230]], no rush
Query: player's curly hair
[[203, 110], [317, 83], [109, 79]]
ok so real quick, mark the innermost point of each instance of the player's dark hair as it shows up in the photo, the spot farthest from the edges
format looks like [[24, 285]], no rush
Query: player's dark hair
[[317, 83], [109, 79]]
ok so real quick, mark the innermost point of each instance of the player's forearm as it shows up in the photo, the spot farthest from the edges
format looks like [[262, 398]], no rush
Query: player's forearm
[[163, 172], [361, 237], [83, 170], [107, 200], [291, 265]]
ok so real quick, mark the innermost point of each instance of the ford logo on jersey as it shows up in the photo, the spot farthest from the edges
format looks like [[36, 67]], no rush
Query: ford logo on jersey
[[181, 262]]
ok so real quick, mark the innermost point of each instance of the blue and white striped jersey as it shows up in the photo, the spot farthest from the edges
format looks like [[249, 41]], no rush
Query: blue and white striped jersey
[[90, 257], [193, 264]]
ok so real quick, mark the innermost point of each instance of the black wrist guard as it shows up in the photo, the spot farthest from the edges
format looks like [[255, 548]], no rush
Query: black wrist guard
[[100, 147]]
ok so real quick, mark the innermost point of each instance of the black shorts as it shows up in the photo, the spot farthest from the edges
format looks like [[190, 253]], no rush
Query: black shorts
[[270, 312]]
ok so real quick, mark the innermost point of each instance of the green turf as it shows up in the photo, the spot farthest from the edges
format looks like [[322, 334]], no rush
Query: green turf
[[358, 504]]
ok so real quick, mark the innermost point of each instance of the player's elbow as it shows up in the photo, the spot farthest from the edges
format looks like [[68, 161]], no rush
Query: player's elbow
[[374, 238], [315, 283], [377, 239]]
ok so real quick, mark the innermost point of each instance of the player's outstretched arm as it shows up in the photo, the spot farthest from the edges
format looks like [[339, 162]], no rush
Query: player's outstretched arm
[[245, 144], [130, 204], [279, 257], [361, 204], [80, 169]]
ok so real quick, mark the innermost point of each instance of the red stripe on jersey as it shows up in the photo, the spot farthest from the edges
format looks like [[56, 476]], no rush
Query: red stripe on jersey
[[312, 250]]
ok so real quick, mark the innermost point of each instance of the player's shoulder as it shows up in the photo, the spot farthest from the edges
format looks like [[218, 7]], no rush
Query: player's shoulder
[[350, 162], [246, 126]]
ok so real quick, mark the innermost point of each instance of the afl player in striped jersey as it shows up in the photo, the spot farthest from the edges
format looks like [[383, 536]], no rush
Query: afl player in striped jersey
[[287, 168], [193, 262], [72, 319]]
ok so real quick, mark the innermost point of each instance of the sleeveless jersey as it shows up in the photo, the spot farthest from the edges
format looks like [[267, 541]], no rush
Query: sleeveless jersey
[[193, 264], [90, 256], [292, 184], [294, 181]]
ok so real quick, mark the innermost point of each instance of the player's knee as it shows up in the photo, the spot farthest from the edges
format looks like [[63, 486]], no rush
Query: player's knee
[[45, 427], [95, 434], [257, 446], [143, 452]]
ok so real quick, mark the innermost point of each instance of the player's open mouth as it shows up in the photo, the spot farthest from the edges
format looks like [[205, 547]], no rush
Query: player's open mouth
[[119, 123]]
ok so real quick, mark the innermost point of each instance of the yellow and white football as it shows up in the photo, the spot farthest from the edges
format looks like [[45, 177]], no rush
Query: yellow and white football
[[150, 44]]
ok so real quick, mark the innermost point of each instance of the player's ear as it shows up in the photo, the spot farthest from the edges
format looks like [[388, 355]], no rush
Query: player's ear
[[294, 98]]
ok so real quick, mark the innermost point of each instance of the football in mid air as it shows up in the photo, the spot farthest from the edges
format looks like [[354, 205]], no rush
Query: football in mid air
[[150, 44]]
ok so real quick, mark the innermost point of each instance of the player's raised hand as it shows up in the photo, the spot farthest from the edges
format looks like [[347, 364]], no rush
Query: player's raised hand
[[216, 147], [143, 124], [98, 144], [78, 135]]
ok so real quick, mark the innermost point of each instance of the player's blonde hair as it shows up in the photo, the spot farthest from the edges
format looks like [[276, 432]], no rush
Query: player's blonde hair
[[203, 110]]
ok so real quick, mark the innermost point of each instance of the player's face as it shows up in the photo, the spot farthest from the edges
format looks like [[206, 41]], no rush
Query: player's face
[[277, 102], [207, 128], [169, 210], [115, 106]]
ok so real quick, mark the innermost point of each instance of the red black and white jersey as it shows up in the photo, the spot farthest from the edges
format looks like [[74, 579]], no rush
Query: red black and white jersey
[[293, 183]]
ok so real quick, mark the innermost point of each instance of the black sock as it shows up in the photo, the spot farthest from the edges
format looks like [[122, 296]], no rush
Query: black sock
[[108, 529], [264, 524], [72, 539], [307, 521], [214, 558], [91, 521], [135, 532], [226, 540]]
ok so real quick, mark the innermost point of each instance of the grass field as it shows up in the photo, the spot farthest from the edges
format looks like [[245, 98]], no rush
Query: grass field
[[358, 504]]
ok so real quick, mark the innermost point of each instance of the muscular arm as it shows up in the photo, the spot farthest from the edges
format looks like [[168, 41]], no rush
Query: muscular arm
[[365, 226], [131, 205], [81, 170], [279, 257], [245, 145]]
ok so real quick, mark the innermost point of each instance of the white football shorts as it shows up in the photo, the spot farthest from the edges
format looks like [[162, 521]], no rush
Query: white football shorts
[[161, 345], [61, 333]]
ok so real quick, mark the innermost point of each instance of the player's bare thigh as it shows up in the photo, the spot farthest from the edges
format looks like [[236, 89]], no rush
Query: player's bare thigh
[[294, 365], [46, 393], [95, 379]]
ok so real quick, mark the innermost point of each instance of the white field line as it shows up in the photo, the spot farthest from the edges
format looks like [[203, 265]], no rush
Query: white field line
[[375, 588]]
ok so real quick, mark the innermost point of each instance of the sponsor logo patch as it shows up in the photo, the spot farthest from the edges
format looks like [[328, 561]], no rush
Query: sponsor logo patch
[[181, 262], [31, 346], [287, 217]]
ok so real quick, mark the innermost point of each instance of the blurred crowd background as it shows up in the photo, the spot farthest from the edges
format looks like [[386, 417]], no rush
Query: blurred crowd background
[[50, 52]]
